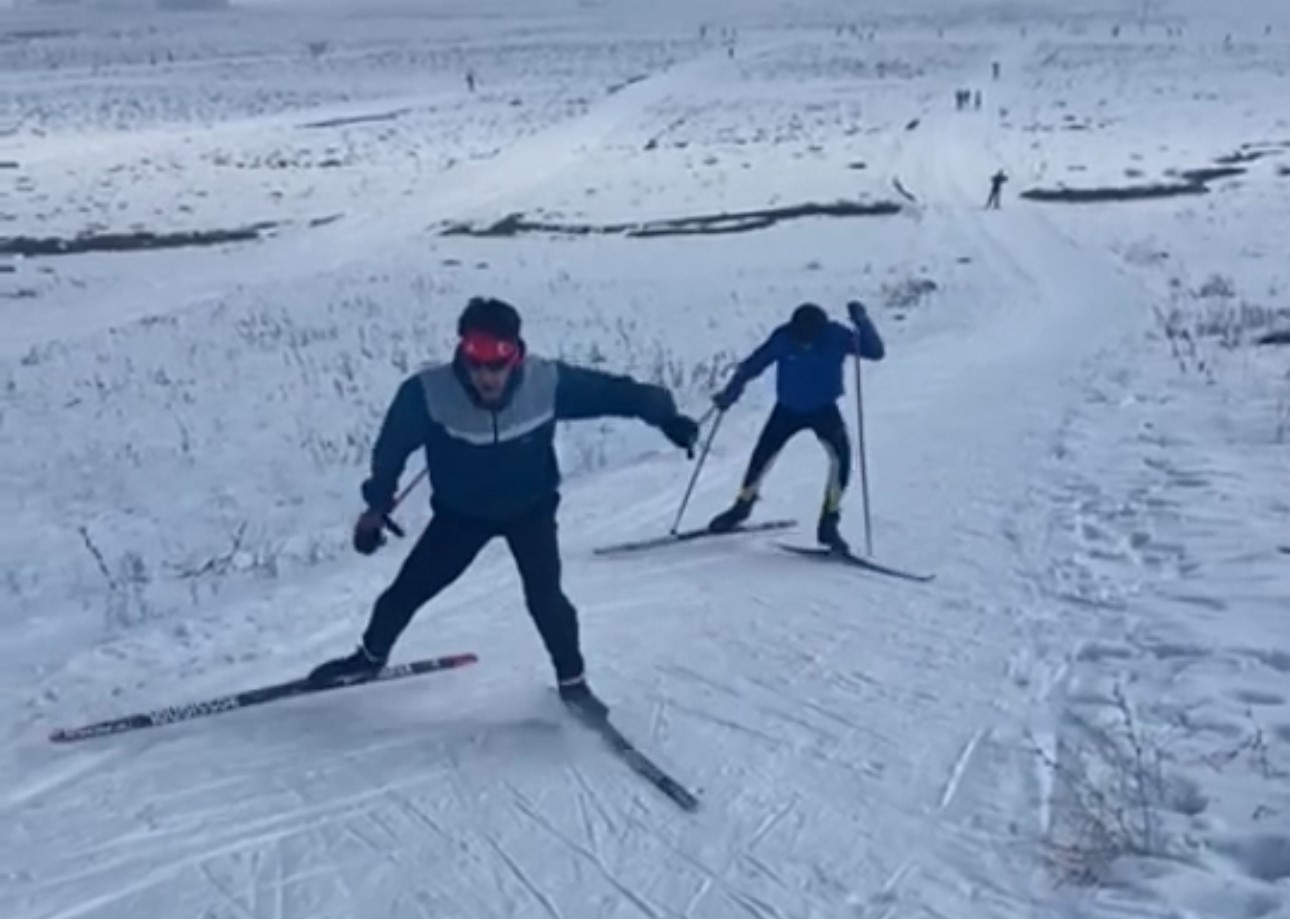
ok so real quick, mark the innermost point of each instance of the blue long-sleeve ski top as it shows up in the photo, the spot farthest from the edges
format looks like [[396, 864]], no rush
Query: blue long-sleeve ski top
[[808, 377]]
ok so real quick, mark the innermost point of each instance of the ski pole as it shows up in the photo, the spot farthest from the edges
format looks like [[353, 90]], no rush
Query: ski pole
[[389, 522], [689, 451], [411, 485], [698, 467], [864, 473]]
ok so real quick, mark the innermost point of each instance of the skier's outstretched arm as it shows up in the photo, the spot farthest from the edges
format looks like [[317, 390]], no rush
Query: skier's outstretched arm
[[753, 366], [585, 393], [402, 432], [864, 339]]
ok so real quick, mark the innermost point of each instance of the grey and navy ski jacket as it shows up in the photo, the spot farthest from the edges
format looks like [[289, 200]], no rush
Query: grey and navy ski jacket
[[496, 462]]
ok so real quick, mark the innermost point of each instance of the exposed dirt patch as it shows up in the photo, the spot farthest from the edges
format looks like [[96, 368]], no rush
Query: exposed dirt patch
[[697, 225], [1113, 193], [1211, 173], [357, 119], [127, 242]]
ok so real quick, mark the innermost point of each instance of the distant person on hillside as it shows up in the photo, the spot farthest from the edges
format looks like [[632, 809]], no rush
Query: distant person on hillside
[[487, 422], [996, 189], [808, 351]]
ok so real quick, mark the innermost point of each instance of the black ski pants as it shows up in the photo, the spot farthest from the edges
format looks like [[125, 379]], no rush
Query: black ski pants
[[446, 549], [781, 427]]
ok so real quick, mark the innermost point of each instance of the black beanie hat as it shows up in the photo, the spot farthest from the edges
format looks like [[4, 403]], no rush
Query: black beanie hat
[[807, 323], [494, 317]]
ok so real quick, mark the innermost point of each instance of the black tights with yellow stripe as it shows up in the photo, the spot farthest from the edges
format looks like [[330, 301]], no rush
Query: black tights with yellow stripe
[[781, 427]]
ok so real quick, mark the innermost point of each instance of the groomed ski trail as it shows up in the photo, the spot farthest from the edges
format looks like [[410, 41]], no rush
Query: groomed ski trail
[[821, 714]]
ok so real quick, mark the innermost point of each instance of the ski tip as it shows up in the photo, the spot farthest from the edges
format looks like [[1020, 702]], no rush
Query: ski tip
[[460, 660], [817, 551], [850, 558]]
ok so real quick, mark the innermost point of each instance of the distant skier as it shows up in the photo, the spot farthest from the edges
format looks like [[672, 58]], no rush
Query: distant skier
[[487, 423], [809, 351], [996, 189]]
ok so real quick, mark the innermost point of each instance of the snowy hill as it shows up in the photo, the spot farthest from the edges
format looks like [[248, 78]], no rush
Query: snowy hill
[[231, 235]]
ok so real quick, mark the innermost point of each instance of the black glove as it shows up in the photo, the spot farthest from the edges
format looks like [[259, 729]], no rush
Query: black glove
[[857, 312], [726, 398], [368, 535], [682, 430]]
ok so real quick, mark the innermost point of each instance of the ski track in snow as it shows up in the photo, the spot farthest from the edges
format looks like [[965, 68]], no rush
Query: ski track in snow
[[854, 740]]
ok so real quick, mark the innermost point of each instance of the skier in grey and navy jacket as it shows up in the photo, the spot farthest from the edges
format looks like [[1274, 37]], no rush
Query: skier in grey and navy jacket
[[486, 422], [808, 351]]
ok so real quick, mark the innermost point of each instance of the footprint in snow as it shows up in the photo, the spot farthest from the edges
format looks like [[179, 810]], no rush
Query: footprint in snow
[[1240, 904], [1091, 531], [1182, 795], [1173, 650], [1277, 660], [1162, 555], [1097, 651], [1212, 604], [1258, 697], [1265, 857]]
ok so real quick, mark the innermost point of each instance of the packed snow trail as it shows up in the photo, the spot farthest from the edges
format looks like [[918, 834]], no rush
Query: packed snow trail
[[829, 719]]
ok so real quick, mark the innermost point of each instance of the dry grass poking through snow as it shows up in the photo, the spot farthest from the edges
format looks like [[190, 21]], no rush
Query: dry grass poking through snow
[[1203, 322], [1107, 792]]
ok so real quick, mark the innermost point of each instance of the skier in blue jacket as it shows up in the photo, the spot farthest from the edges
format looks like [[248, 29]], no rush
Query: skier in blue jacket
[[808, 351]]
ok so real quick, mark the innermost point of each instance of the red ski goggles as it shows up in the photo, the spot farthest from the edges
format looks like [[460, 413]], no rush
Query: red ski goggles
[[483, 350]]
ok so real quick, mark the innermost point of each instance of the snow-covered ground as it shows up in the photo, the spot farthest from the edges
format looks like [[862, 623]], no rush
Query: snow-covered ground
[[1086, 713]]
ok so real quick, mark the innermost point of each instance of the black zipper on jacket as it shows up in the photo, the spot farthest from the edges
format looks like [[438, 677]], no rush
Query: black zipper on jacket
[[497, 438]]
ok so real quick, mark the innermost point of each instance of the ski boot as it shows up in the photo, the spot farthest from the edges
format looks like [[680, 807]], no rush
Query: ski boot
[[826, 534], [355, 668], [732, 516], [581, 702]]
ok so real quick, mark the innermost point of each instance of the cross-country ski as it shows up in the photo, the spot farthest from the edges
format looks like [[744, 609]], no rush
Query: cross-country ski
[[189, 711], [845, 557], [623, 748], [697, 533], [852, 436]]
